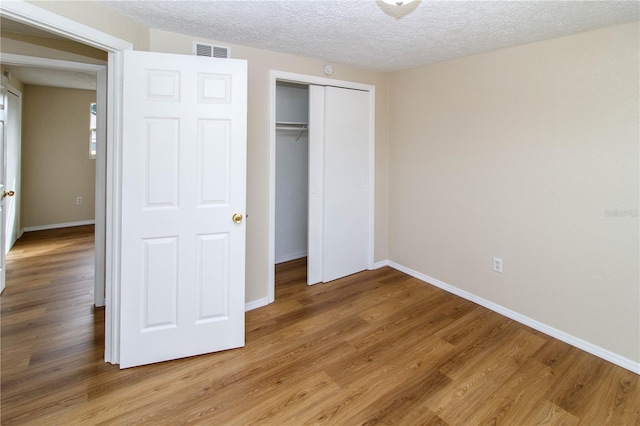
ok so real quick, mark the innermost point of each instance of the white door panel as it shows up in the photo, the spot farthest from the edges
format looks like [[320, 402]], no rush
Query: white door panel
[[346, 182], [184, 157], [12, 170], [339, 179]]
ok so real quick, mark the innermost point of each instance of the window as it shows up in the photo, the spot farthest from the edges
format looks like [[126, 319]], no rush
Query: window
[[92, 131]]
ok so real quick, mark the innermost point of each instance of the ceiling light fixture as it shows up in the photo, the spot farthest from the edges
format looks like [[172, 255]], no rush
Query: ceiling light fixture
[[397, 3], [398, 8]]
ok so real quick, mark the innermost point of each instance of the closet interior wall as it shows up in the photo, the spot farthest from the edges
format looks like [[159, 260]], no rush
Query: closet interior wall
[[292, 171]]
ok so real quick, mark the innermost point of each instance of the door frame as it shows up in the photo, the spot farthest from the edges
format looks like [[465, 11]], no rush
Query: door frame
[[289, 77], [34, 16]]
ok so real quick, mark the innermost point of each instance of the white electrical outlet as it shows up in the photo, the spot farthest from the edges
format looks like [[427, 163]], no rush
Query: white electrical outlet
[[497, 264], [79, 200]]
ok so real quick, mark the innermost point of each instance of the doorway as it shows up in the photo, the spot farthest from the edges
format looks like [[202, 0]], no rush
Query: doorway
[[292, 179], [292, 171], [35, 68], [107, 253], [314, 190]]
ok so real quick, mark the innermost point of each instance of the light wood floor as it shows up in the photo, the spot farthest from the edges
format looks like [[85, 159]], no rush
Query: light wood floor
[[376, 347]]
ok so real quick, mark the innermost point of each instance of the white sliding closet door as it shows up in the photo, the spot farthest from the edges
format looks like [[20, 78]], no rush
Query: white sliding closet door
[[339, 171]]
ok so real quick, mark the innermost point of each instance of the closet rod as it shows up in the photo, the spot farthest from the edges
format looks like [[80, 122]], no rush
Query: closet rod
[[299, 127], [291, 126]]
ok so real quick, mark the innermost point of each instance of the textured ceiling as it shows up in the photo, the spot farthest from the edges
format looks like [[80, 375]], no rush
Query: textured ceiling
[[363, 33]]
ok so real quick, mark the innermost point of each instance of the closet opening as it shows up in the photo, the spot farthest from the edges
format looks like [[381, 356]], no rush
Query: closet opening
[[321, 180], [291, 183]]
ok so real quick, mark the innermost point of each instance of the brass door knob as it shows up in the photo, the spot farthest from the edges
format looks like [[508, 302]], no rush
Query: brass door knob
[[237, 218], [8, 193]]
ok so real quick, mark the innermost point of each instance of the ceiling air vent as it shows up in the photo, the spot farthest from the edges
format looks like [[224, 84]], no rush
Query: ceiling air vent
[[209, 50]]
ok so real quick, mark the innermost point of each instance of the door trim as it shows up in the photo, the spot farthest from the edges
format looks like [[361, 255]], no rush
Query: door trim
[[34, 16], [275, 76]]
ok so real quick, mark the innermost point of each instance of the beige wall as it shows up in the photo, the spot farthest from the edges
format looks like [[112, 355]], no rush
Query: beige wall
[[260, 64], [523, 153], [55, 156], [49, 48]]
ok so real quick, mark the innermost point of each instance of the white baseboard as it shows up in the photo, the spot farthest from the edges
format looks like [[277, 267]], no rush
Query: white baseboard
[[255, 304], [58, 225], [544, 328], [380, 264], [289, 257]]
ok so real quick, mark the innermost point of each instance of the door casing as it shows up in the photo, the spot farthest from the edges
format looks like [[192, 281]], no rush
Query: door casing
[[275, 76], [29, 14]]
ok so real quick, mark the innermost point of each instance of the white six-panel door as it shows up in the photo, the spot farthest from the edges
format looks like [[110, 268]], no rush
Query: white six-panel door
[[183, 179]]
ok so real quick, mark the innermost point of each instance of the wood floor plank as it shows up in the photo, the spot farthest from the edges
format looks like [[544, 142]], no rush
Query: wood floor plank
[[288, 405], [461, 400], [401, 398], [368, 397], [532, 380], [617, 402], [379, 347], [547, 413]]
